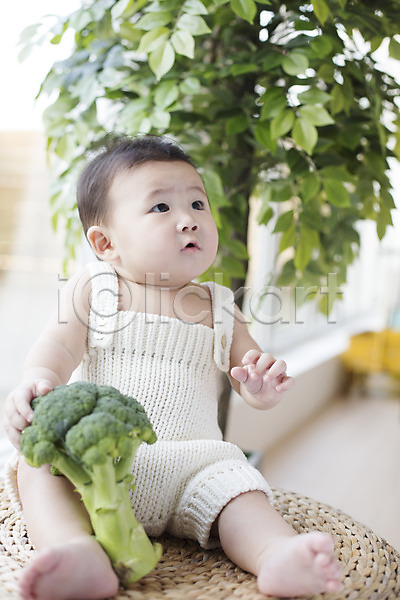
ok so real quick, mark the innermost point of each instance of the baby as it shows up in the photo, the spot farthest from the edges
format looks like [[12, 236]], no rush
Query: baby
[[136, 320]]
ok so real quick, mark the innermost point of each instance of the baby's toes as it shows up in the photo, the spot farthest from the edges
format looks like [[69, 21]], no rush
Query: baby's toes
[[321, 542], [334, 585]]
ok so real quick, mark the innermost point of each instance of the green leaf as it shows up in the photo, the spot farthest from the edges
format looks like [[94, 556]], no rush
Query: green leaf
[[273, 60], [59, 109], [337, 172], [375, 42], [314, 96], [98, 9], [321, 10], [153, 20], [282, 123], [245, 9], [193, 24], [160, 119], [317, 115], [281, 190], [238, 249], [394, 49], [262, 133], [233, 267], [162, 59], [214, 188], [65, 147], [236, 124], [183, 43], [348, 94], [152, 39], [310, 186], [338, 100], [80, 19], [295, 63], [25, 52], [312, 214], [265, 213], [191, 85], [119, 8], [336, 193], [326, 72], [166, 94], [284, 222], [383, 220], [288, 238], [386, 199], [194, 7], [274, 101], [87, 89], [28, 33], [56, 39], [242, 69], [308, 242], [305, 134], [128, 33], [129, 119], [322, 46], [287, 274]]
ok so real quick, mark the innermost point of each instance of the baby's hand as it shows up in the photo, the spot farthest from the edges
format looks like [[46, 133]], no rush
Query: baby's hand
[[18, 412], [263, 377]]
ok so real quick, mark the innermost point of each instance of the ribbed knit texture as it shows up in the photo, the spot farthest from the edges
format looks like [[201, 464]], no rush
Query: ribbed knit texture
[[170, 366]]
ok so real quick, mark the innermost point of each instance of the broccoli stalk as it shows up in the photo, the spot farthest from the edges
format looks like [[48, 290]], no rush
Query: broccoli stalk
[[91, 434]]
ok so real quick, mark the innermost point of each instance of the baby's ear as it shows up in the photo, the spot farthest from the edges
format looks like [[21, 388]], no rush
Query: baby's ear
[[100, 242]]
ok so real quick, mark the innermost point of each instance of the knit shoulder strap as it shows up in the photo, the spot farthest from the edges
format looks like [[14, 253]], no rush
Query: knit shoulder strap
[[103, 303], [223, 307]]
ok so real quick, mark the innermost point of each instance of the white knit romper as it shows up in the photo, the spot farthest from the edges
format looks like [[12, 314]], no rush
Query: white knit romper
[[170, 366]]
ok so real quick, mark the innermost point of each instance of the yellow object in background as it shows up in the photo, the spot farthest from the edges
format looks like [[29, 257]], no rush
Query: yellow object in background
[[374, 352], [391, 357]]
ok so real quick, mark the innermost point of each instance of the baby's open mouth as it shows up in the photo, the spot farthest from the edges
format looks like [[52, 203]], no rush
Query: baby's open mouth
[[193, 245]]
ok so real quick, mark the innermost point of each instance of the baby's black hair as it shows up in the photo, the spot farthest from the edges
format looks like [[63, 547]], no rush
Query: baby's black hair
[[118, 153]]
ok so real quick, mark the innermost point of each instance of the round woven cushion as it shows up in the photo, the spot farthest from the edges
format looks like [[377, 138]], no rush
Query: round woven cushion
[[371, 567]]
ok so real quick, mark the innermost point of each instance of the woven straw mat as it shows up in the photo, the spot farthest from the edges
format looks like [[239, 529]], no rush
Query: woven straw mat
[[186, 572]]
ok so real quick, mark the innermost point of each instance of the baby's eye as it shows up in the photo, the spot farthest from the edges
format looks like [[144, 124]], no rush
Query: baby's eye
[[198, 205], [160, 208]]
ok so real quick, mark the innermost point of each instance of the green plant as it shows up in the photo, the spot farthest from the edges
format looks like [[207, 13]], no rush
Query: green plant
[[90, 434], [279, 101]]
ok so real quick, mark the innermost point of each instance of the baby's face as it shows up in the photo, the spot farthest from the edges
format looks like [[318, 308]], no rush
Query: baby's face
[[161, 224]]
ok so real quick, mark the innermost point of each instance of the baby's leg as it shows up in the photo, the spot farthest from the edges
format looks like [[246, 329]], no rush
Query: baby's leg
[[70, 563], [256, 538]]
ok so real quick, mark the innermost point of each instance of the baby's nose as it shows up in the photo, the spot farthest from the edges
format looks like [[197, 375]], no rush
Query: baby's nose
[[189, 228], [187, 223]]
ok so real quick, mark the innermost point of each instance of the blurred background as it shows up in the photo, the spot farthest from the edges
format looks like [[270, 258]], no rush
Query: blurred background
[[336, 437]]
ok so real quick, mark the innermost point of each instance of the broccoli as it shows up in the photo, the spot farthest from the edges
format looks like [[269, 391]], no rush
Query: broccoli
[[90, 434]]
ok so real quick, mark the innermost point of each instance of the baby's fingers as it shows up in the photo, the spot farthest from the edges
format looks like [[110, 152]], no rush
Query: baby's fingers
[[239, 373], [22, 402], [251, 357], [264, 364], [276, 369], [285, 384]]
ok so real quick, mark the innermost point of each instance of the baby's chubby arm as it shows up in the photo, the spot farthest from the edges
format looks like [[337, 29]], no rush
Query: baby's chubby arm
[[52, 358], [259, 378]]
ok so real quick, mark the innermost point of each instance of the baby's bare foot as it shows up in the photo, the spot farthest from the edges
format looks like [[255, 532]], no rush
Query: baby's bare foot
[[301, 565], [77, 570]]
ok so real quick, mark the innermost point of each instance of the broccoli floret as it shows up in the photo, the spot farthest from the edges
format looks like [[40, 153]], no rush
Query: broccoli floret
[[90, 434]]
